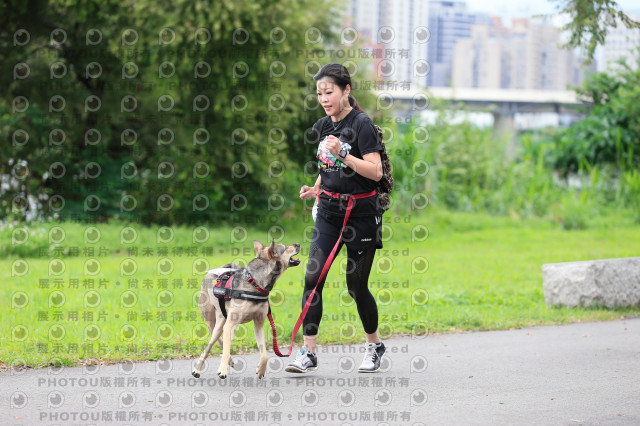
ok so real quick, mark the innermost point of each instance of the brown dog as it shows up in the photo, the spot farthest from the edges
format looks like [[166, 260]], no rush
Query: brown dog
[[260, 275]]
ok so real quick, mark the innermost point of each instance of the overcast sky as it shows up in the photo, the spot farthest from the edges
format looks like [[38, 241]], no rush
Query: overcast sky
[[509, 8]]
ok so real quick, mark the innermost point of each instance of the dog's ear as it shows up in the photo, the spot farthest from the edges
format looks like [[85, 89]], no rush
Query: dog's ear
[[257, 247], [272, 249]]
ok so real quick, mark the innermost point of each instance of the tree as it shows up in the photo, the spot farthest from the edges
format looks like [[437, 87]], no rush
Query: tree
[[589, 22], [610, 132], [154, 109]]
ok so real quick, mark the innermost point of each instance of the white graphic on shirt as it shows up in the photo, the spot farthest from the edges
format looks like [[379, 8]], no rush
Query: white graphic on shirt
[[326, 158]]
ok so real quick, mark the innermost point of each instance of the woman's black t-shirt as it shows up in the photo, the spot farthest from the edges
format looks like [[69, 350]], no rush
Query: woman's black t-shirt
[[358, 136]]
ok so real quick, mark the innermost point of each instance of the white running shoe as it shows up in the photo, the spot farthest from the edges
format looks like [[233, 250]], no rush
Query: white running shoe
[[305, 362], [372, 357]]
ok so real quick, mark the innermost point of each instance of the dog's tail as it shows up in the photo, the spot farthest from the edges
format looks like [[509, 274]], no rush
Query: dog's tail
[[231, 266]]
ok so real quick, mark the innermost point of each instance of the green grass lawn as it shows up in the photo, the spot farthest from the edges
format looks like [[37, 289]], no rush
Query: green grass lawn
[[74, 292]]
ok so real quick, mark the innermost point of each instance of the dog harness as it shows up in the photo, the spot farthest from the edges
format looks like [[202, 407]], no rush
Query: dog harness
[[223, 291]]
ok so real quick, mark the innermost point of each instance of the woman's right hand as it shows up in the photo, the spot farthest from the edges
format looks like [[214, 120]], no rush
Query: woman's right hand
[[307, 192]]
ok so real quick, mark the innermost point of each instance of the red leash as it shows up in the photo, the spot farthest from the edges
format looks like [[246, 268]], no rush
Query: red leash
[[305, 309]]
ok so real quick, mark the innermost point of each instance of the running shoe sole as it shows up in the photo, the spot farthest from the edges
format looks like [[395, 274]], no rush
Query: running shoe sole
[[294, 369]]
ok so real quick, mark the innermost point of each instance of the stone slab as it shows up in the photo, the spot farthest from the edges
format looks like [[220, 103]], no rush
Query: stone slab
[[612, 283]]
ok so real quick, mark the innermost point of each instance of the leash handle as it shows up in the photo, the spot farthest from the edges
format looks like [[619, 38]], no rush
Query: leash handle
[[305, 309]]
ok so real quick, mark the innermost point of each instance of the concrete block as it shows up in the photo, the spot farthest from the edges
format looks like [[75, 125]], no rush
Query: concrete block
[[609, 282]]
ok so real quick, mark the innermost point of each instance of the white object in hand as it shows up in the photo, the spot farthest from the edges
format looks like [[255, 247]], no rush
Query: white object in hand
[[314, 210]]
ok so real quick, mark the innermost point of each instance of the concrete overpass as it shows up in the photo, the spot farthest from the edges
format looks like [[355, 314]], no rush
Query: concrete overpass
[[503, 104]]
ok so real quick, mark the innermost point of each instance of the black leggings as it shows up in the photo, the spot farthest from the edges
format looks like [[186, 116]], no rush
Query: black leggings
[[359, 264]]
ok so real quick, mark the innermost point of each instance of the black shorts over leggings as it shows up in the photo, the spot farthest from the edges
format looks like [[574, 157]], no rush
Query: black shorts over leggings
[[362, 236]]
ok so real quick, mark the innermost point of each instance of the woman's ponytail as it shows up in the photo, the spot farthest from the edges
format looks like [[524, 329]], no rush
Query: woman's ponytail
[[354, 104]]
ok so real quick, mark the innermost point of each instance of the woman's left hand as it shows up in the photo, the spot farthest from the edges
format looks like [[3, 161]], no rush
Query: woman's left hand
[[333, 145]]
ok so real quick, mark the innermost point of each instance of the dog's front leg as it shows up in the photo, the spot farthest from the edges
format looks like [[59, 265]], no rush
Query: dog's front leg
[[227, 336], [258, 331]]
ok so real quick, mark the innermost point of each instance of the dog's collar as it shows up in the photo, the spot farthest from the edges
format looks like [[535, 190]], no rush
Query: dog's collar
[[255, 284]]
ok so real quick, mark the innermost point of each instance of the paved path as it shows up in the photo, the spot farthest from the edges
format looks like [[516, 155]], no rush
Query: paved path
[[566, 375]]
